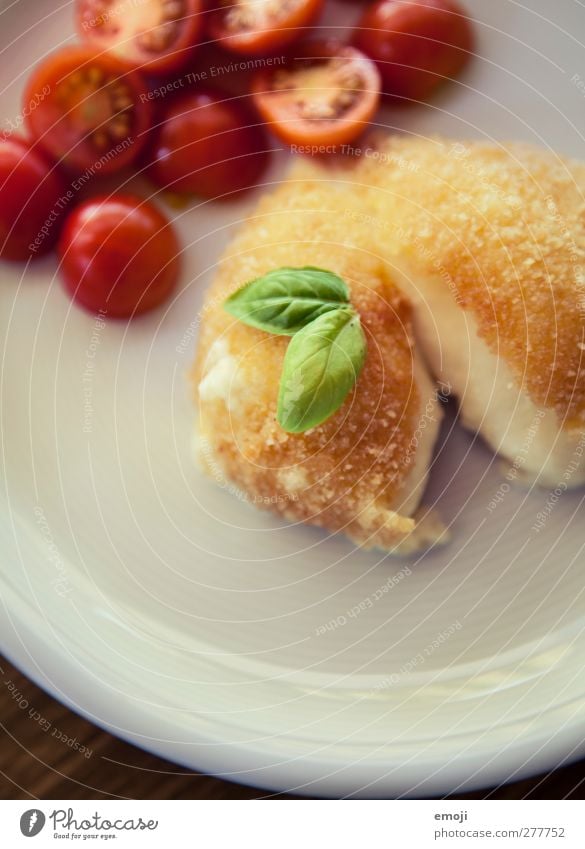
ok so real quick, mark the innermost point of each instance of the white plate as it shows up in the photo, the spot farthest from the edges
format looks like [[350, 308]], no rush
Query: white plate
[[173, 614]]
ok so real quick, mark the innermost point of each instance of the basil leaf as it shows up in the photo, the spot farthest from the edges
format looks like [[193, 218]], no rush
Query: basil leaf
[[287, 299], [321, 365]]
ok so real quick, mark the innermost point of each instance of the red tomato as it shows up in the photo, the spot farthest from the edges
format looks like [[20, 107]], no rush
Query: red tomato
[[415, 44], [208, 145], [96, 113], [262, 26], [30, 195], [326, 95], [153, 35], [215, 66], [119, 255]]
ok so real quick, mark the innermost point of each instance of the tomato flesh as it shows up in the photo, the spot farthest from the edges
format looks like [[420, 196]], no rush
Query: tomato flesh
[[416, 45], [119, 256], [209, 145], [326, 95], [30, 195], [261, 26], [95, 114], [152, 35]]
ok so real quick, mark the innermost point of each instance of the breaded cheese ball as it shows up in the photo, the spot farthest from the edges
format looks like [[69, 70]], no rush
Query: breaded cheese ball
[[488, 242], [363, 470]]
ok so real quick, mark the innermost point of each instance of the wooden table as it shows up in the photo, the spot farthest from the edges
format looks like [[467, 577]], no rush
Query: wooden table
[[37, 763]]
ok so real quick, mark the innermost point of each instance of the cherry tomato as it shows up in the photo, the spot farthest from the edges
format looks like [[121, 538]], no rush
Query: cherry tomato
[[208, 145], [30, 195], [325, 95], [261, 26], [153, 35], [231, 73], [416, 45], [96, 113], [119, 255]]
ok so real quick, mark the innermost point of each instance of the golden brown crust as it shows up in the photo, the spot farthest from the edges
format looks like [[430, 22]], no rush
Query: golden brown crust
[[346, 474], [504, 227]]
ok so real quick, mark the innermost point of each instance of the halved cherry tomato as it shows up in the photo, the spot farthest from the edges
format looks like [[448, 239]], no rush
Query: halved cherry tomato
[[119, 255], [325, 95], [96, 113], [416, 45], [208, 144], [30, 194], [261, 26], [151, 35]]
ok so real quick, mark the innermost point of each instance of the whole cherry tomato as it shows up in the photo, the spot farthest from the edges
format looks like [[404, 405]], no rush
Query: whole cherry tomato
[[207, 144], [32, 200], [119, 255], [415, 43]]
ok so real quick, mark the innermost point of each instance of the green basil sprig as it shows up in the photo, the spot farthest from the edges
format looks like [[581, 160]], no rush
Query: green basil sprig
[[321, 365], [328, 348], [287, 299]]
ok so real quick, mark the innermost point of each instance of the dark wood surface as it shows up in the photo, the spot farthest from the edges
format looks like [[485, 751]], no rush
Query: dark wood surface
[[36, 761]]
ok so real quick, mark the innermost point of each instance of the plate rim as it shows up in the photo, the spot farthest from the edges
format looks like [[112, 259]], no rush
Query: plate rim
[[247, 764]]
